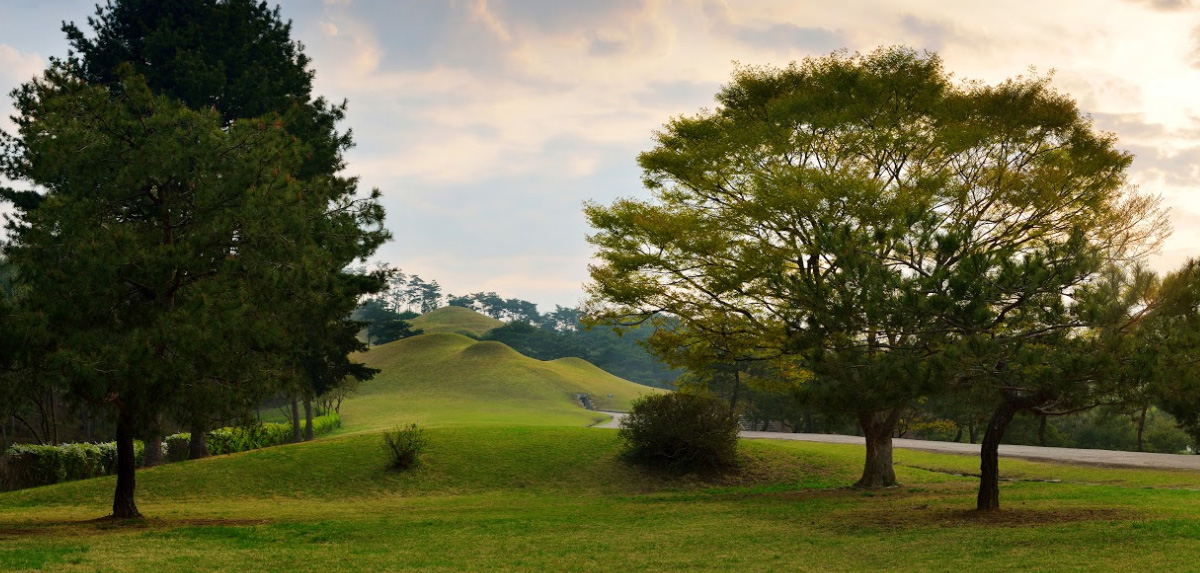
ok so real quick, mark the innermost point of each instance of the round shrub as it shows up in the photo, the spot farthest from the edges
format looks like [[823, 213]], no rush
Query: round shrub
[[681, 431]]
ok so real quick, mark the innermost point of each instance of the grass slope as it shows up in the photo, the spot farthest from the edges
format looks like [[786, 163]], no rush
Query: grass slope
[[449, 379], [457, 320], [559, 499]]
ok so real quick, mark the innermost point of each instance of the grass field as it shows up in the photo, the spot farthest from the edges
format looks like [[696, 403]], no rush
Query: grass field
[[449, 379], [455, 320], [541, 498], [512, 481]]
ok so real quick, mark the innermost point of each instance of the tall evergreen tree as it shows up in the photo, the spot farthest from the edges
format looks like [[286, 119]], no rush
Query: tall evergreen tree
[[238, 58]]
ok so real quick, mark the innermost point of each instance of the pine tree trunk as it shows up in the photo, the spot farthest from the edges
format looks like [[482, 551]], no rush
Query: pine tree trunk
[[877, 428], [123, 506], [296, 437], [198, 448], [308, 419], [989, 457], [1141, 428], [153, 455]]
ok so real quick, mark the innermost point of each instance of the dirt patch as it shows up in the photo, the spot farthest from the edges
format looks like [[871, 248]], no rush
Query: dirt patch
[[922, 516], [110, 524]]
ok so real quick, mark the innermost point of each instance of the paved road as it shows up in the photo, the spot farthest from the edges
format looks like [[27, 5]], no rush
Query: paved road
[[1069, 455]]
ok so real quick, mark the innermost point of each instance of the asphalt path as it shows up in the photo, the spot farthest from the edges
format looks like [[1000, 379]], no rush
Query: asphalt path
[[1063, 455]]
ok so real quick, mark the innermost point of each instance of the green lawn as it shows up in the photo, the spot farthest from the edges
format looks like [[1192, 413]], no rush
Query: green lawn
[[541, 498], [513, 481]]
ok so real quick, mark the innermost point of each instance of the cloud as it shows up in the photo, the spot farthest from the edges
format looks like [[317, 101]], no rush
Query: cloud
[[933, 34], [1164, 5]]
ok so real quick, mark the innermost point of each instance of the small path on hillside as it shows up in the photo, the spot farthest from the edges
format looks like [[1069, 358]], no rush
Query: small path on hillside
[[615, 422], [1036, 453]]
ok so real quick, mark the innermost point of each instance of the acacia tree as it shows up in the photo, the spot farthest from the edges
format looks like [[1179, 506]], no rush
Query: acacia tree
[[863, 212], [163, 246]]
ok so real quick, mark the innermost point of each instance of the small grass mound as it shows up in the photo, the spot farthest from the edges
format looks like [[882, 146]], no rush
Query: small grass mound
[[455, 320], [449, 379]]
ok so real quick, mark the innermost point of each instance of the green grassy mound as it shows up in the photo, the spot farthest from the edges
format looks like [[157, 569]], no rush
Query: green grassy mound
[[449, 379], [457, 320]]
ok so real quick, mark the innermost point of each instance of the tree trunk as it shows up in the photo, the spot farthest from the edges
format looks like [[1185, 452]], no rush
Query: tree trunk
[[973, 433], [989, 457], [123, 506], [877, 428], [737, 386], [1042, 431], [1141, 428], [198, 446], [308, 419], [296, 437], [958, 436]]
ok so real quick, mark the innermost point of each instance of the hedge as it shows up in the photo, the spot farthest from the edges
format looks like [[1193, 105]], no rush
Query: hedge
[[25, 465], [28, 465]]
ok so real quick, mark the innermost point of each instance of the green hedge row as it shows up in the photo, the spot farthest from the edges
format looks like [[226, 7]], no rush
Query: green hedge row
[[232, 440], [25, 465], [28, 465]]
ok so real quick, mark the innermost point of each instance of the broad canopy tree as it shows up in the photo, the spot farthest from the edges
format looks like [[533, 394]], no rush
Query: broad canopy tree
[[862, 214]]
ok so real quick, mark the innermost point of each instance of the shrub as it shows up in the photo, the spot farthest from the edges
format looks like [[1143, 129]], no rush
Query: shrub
[[404, 445], [25, 465], [680, 431], [28, 465], [178, 447]]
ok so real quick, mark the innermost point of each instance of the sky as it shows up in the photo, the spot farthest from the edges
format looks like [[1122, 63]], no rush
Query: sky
[[487, 125]]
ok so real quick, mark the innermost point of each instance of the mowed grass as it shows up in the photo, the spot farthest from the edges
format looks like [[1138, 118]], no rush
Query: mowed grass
[[449, 379], [543, 498], [457, 320], [512, 481]]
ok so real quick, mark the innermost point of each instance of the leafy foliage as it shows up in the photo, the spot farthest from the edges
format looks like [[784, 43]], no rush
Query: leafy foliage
[[681, 431], [25, 465]]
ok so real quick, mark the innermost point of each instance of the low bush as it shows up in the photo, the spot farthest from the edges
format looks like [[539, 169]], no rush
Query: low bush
[[404, 445], [681, 431], [26, 465]]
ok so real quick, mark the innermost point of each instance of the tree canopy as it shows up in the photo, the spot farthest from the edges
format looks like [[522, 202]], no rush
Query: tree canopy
[[862, 213]]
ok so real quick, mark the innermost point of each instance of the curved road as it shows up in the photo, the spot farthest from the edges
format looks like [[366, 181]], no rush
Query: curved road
[[1068, 455]]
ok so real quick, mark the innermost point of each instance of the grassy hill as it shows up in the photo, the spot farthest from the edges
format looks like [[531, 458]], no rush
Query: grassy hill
[[457, 320], [449, 379]]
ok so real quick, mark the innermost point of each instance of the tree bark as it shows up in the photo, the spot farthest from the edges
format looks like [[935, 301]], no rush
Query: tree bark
[[737, 386], [1141, 428], [989, 457], [1042, 431], [308, 419], [123, 505], [973, 433], [198, 446], [877, 428], [296, 437]]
